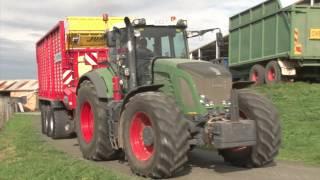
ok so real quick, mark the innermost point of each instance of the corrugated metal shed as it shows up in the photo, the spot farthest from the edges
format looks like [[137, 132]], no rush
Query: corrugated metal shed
[[18, 85], [208, 51]]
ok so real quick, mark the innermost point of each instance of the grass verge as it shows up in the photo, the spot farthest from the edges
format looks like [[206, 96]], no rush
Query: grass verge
[[299, 108], [23, 155]]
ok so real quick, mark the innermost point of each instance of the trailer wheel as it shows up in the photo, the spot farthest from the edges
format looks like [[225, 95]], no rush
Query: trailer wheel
[[155, 135], [255, 107], [50, 120], [92, 124], [257, 74], [60, 120], [273, 73], [44, 123]]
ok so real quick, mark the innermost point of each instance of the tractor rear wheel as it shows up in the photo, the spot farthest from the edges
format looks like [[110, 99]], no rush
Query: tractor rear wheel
[[155, 135], [92, 124], [257, 74], [255, 107]]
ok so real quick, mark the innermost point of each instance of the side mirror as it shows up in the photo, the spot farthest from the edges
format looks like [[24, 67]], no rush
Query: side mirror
[[219, 39], [111, 39]]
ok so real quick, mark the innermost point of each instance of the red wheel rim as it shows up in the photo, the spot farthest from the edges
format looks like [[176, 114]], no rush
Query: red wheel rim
[[141, 151], [86, 122], [254, 76], [271, 74]]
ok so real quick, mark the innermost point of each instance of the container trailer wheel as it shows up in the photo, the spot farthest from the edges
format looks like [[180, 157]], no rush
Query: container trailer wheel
[[255, 107], [257, 74], [91, 124], [155, 135], [273, 73]]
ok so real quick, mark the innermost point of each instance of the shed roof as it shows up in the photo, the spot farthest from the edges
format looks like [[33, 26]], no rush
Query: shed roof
[[18, 85]]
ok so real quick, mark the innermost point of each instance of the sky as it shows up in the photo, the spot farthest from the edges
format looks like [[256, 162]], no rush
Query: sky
[[24, 22]]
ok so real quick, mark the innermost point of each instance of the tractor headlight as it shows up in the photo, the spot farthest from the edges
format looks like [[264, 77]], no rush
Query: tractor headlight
[[205, 101]]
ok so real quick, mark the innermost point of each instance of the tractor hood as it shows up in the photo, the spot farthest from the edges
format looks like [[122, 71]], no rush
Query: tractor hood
[[193, 79]]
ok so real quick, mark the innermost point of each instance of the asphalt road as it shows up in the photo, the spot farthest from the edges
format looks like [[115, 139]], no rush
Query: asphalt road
[[204, 165]]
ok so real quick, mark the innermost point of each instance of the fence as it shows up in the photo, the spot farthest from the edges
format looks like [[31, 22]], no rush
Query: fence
[[6, 109]]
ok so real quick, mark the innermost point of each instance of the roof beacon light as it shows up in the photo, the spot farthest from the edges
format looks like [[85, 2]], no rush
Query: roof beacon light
[[105, 17], [139, 22], [182, 23]]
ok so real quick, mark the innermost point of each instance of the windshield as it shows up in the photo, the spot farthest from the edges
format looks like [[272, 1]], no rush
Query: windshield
[[161, 42]]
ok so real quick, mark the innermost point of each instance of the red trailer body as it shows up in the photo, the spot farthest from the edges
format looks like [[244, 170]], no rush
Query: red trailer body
[[58, 71]]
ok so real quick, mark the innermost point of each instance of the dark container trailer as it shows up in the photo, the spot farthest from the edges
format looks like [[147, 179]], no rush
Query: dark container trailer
[[270, 44]]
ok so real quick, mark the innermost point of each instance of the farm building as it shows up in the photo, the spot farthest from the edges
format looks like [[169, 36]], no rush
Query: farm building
[[17, 96]]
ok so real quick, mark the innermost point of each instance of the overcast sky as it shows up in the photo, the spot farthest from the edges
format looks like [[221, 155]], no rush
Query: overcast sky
[[23, 22]]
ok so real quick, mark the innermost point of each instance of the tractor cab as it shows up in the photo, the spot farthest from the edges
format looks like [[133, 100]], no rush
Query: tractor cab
[[134, 48]]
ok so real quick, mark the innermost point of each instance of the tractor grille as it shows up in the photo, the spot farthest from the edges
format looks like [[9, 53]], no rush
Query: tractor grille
[[213, 81]]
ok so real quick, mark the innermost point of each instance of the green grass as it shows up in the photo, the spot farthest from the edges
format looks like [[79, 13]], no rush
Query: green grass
[[299, 108], [23, 155]]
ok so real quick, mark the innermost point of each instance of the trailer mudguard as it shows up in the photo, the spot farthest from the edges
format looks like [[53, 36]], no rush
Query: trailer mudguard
[[102, 81]]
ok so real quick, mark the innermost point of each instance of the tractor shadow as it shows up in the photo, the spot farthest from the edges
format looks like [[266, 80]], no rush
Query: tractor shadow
[[210, 160]]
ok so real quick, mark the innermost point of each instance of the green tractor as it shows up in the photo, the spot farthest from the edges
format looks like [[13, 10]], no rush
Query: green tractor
[[154, 104]]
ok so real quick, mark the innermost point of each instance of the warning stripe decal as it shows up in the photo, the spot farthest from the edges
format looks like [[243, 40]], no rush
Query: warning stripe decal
[[67, 77], [91, 58], [68, 80], [66, 73], [297, 45]]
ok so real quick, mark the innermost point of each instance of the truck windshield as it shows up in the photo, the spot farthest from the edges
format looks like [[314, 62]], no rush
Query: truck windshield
[[161, 42]]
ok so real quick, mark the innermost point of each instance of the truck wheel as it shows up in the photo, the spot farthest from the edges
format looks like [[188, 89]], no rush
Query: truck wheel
[[273, 73], [155, 135], [92, 125], [255, 107], [257, 74]]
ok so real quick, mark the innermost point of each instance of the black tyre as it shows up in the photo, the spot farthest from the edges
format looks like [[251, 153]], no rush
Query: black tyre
[[255, 107], [44, 124], [60, 120], [155, 135], [92, 124], [257, 74], [50, 120], [273, 73]]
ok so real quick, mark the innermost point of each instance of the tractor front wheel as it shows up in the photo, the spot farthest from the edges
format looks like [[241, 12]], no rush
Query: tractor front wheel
[[92, 124], [255, 107], [155, 135]]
